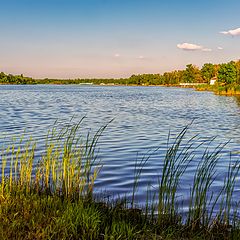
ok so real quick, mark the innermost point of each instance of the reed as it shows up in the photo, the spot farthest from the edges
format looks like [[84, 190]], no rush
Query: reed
[[175, 163], [51, 196], [138, 168], [68, 166], [201, 196]]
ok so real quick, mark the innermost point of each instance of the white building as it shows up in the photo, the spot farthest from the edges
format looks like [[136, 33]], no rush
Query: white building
[[213, 80]]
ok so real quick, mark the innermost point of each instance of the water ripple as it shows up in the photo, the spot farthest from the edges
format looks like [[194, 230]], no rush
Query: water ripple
[[143, 117]]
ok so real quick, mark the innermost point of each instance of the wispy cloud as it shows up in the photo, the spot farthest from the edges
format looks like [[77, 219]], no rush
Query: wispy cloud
[[206, 49], [192, 47], [116, 55], [140, 57], [232, 32], [189, 46], [219, 48]]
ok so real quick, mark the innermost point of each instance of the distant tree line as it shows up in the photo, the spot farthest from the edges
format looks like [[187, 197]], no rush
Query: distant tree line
[[15, 79], [226, 73]]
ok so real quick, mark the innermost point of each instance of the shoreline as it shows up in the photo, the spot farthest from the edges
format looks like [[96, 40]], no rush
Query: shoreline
[[228, 92], [58, 202]]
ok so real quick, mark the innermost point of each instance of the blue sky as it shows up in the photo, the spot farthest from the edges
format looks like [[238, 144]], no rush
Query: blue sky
[[115, 38]]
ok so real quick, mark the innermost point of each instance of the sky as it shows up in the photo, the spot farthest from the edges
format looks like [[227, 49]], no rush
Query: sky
[[115, 38]]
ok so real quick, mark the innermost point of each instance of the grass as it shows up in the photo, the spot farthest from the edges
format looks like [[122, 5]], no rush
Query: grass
[[53, 197], [226, 90]]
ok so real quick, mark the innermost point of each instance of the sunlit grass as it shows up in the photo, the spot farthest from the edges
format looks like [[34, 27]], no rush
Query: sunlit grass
[[52, 196], [229, 89], [65, 168]]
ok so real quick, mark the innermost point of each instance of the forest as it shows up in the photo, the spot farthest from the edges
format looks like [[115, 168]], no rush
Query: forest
[[225, 73]]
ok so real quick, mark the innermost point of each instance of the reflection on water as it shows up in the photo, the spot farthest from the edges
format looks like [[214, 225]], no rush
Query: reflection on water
[[142, 117], [237, 98]]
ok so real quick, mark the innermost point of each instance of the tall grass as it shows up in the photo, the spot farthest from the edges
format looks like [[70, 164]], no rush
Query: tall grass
[[200, 196], [209, 213], [67, 167], [50, 196], [175, 164]]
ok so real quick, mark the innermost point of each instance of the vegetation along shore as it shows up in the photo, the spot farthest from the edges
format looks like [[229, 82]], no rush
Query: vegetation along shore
[[53, 197], [223, 79]]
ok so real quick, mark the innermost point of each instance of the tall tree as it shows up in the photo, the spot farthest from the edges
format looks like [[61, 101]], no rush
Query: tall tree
[[208, 71], [238, 71], [192, 74], [227, 73]]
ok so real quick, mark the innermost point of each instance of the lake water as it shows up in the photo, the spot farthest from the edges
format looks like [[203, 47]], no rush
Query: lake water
[[143, 117]]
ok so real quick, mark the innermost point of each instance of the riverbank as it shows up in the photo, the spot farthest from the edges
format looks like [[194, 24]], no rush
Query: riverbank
[[54, 199], [225, 73], [226, 90]]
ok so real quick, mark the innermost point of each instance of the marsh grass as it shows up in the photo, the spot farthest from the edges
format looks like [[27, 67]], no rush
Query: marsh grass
[[219, 89], [175, 164], [68, 166], [51, 196]]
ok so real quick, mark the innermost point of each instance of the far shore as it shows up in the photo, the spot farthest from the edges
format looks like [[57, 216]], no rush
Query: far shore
[[200, 87]]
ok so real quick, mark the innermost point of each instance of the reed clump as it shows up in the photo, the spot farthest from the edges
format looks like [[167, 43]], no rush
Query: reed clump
[[67, 166], [52, 196]]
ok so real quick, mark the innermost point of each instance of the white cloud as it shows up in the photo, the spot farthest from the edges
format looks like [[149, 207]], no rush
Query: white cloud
[[189, 46], [233, 32], [206, 49], [193, 47], [117, 55], [140, 57], [219, 48]]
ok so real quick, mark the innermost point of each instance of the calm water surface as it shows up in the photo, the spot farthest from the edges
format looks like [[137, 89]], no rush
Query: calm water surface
[[142, 117]]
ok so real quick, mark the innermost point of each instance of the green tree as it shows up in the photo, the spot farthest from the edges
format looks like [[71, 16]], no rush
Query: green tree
[[208, 71], [227, 73], [192, 74], [238, 71]]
